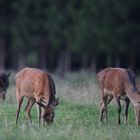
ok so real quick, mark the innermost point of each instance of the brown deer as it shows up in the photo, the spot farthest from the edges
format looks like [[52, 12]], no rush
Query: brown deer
[[118, 83], [38, 86]]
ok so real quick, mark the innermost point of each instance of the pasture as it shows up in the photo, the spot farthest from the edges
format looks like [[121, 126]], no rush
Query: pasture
[[77, 115]]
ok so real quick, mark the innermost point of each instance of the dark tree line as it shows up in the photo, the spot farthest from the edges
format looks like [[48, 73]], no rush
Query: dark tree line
[[68, 35]]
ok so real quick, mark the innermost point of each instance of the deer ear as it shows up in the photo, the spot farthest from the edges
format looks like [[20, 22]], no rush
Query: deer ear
[[40, 104]]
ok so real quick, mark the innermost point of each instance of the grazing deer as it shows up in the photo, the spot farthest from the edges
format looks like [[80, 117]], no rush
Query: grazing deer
[[118, 83], [38, 87], [4, 83]]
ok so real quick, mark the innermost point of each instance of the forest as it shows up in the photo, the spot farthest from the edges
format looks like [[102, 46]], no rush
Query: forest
[[62, 36], [71, 40]]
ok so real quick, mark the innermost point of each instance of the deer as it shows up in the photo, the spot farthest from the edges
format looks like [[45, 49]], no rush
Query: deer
[[4, 84], [118, 83], [38, 87]]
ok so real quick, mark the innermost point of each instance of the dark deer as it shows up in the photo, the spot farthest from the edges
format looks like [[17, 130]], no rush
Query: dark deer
[[4, 84], [38, 86], [118, 83]]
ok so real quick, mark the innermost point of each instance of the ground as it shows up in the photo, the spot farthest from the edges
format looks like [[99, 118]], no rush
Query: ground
[[77, 115]]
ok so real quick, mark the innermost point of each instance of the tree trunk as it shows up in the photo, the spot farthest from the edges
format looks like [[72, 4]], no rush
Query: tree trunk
[[67, 60], [42, 56], [84, 61], [132, 60], [117, 61], [64, 62], [108, 61], [43, 50], [22, 60], [2, 54], [93, 65]]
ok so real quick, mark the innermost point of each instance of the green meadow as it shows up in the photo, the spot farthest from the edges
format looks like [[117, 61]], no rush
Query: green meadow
[[77, 115]]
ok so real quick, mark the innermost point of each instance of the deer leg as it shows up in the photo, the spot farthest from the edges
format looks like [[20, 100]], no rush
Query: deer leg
[[19, 103], [137, 113], [106, 111], [127, 102], [119, 108], [28, 108], [27, 104], [39, 113], [103, 109], [109, 99]]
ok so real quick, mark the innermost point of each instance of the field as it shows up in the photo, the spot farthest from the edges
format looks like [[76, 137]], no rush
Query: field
[[77, 116]]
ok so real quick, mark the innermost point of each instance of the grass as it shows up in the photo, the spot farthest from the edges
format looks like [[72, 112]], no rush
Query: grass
[[77, 116]]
